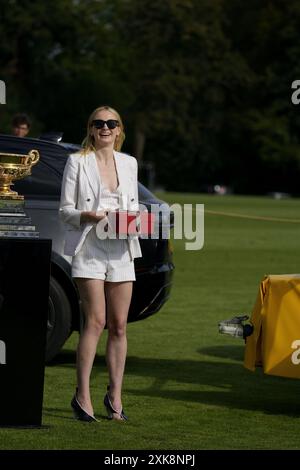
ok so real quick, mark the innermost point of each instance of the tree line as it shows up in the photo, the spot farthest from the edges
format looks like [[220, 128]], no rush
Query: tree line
[[204, 86]]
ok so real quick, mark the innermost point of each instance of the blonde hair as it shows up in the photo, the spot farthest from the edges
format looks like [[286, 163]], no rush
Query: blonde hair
[[88, 142]]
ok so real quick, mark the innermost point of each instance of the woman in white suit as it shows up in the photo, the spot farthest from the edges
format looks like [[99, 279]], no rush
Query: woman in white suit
[[97, 180]]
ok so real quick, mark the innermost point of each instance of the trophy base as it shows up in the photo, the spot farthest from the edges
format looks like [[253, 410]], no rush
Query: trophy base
[[11, 197], [18, 233], [14, 223]]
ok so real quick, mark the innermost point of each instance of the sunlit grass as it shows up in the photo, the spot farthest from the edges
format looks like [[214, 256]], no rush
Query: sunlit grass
[[185, 386]]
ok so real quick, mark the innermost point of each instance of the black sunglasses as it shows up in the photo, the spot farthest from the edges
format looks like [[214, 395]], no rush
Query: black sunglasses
[[99, 123]]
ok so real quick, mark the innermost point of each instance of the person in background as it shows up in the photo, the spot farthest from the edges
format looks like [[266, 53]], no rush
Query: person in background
[[20, 125]]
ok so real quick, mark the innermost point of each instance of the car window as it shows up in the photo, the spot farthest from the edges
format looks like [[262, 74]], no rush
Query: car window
[[44, 182]]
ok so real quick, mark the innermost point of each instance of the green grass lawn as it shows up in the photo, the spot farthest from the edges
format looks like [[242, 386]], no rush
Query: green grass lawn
[[185, 386]]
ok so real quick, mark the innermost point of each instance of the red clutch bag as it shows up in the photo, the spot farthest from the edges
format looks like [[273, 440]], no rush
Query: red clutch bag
[[133, 223]]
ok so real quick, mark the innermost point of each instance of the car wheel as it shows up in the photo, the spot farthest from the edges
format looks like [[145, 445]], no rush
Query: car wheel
[[59, 319]]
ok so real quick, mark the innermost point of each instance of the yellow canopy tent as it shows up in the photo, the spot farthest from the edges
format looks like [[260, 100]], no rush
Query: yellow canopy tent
[[275, 341]]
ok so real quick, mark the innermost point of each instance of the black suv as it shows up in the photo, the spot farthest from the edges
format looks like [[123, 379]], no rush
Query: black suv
[[42, 194]]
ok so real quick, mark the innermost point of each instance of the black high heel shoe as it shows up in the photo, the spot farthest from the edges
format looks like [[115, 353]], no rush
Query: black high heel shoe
[[79, 411], [111, 410]]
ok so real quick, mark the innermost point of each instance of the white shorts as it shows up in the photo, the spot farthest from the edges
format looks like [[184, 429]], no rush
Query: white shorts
[[107, 259]]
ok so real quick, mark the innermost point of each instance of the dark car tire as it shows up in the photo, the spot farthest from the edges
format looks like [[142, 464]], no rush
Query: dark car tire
[[59, 319]]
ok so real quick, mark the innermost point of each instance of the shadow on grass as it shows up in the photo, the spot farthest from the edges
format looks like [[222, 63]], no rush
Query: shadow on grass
[[56, 412], [235, 352], [189, 381], [66, 356], [235, 386]]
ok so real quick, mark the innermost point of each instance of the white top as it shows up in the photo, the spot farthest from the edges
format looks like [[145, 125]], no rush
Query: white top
[[110, 200]]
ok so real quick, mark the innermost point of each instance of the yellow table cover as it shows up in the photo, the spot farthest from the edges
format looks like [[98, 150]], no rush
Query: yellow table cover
[[275, 342]]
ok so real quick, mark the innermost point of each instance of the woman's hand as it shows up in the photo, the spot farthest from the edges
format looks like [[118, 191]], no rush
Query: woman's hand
[[92, 217]]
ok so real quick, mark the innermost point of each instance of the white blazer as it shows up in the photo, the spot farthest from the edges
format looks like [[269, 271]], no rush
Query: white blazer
[[81, 192]]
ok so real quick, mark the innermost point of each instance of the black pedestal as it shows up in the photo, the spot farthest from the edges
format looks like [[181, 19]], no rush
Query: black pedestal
[[24, 290]]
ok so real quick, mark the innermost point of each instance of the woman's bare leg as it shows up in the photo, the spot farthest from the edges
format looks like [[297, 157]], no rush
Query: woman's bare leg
[[93, 302], [118, 296]]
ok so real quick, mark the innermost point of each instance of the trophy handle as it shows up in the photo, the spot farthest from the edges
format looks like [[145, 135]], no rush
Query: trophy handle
[[34, 157]]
